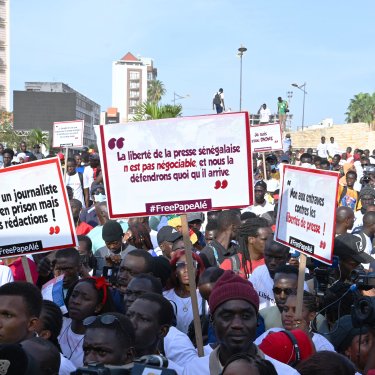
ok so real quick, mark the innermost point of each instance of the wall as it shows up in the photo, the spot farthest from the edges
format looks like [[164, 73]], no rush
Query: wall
[[356, 135]]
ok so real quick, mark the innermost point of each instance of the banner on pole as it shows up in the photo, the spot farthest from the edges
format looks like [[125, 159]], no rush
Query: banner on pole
[[35, 214], [307, 211], [68, 133], [177, 165], [266, 138]]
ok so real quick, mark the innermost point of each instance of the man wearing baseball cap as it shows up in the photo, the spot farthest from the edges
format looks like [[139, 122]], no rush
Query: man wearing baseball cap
[[166, 236], [234, 306]]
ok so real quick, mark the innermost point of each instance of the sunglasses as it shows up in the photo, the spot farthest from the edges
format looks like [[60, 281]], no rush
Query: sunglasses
[[184, 264], [287, 291], [104, 319]]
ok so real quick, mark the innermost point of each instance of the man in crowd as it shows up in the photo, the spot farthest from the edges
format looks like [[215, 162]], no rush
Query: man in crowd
[[261, 205], [91, 173], [234, 306], [135, 262], [275, 255], [222, 246], [347, 195], [344, 220], [282, 109], [332, 147], [322, 148], [166, 236], [37, 152], [109, 340], [20, 307], [23, 149], [367, 202], [264, 114], [82, 228], [8, 155], [74, 179], [152, 316]]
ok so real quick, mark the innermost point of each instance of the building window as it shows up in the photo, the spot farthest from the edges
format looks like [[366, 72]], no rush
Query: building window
[[133, 75]]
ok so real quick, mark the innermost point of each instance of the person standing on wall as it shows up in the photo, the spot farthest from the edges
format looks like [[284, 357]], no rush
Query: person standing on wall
[[282, 109], [218, 101]]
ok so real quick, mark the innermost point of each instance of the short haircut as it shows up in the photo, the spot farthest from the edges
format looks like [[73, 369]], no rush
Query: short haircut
[[263, 366], [354, 173], [126, 333], [324, 162], [148, 258], [30, 294], [337, 156], [9, 151], [286, 269], [166, 313], [161, 269], [306, 158], [248, 215], [75, 203], [211, 225], [271, 244], [71, 160], [156, 285], [86, 239], [69, 252], [226, 218], [369, 218], [211, 275]]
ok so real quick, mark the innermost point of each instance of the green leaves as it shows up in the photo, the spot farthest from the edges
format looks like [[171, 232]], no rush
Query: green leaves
[[152, 111], [361, 108]]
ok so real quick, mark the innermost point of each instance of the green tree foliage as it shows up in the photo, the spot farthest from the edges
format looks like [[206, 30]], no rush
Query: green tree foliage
[[361, 108], [37, 136], [153, 111], [155, 90]]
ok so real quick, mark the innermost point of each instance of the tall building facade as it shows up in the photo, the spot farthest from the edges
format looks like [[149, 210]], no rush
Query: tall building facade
[[129, 83], [4, 56], [44, 103]]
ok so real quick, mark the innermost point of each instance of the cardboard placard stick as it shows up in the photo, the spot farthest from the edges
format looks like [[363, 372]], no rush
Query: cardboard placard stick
[[66, 160], [300, 287], [264, 167], [26, 268], [192, 285]]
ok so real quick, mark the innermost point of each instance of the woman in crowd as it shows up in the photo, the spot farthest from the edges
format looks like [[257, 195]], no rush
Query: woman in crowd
[[89, 296], [138, 237], [179, 293], [290, 321]]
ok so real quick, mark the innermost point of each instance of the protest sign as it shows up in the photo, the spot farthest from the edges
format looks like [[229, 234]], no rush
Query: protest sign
[[35, 213], [68, 134], [307, 211], [177, 165], [266, 138]]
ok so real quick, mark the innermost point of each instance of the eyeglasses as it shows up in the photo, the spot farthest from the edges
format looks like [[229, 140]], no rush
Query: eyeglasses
[[184, 264], [287, 291], [104, 319]]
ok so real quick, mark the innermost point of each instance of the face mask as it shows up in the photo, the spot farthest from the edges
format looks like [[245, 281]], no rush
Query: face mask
[[100, 197]]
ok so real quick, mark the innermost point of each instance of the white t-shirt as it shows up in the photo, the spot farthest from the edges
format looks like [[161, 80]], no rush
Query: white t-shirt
[[201, 366], [66, 366], [263, 284], [184, 313], [358, 219], [75, 183], [178, 347], [259, 209], [322, 150], [88, 178], [71, 343], [6, 275], [320, 342], [332, 148], [264, 115]]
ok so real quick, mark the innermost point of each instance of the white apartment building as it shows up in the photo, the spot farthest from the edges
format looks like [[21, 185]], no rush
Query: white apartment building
[[4, 56], [129, 83]]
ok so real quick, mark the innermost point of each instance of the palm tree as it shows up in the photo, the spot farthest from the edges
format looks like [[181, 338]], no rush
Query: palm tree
[[153, 111], [361, 108], [155, 90], [37, 136]]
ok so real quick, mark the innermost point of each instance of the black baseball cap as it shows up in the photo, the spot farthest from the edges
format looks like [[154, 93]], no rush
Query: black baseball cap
[[351, 246], [169, 234]]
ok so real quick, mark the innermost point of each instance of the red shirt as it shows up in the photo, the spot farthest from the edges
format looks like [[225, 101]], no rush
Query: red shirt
[[227, 265], [83, 228], [19, 273]]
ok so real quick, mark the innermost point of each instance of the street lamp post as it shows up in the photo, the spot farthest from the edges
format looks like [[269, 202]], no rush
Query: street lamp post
[[302, 88], [241, 51], [178, 97]]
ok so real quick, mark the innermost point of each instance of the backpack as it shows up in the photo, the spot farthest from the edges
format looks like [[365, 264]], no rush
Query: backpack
[[217, 99]]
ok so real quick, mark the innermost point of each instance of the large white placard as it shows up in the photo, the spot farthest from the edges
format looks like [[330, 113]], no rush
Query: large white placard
[[307, 211], [177, 165], [35, 213], [68, 133], [266, 137]]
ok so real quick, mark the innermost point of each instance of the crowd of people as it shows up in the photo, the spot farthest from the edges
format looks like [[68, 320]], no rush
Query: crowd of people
[[126, 294]]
